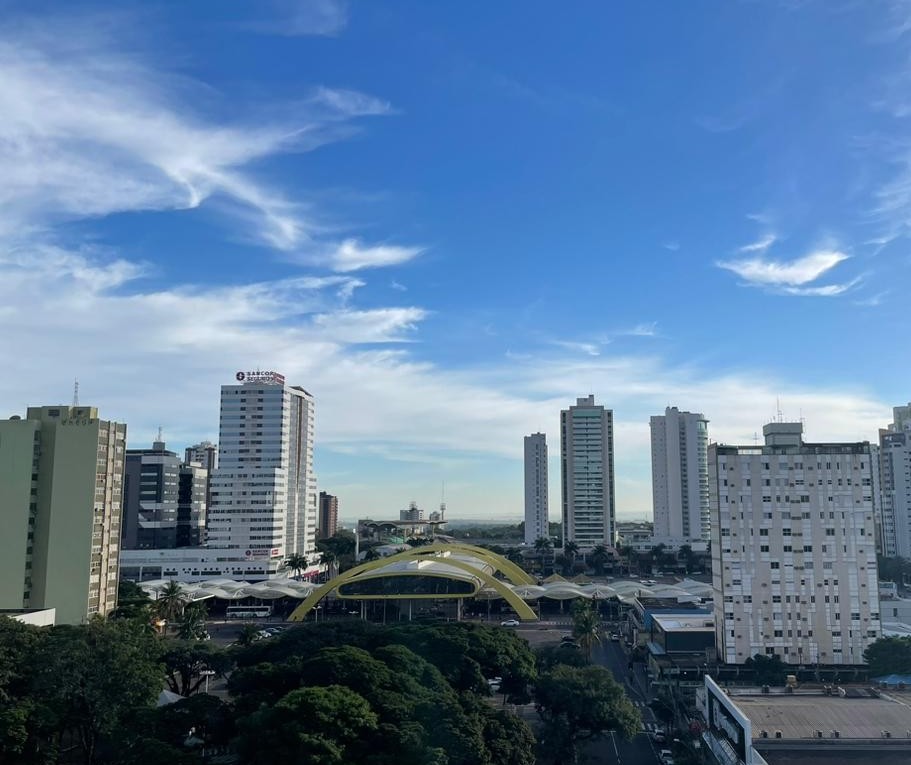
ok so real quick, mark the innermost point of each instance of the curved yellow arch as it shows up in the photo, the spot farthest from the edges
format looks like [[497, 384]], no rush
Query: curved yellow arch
[[515, 574], [498, 562]]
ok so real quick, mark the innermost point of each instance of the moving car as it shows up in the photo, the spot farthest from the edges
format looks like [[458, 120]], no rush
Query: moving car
[[510, 623]]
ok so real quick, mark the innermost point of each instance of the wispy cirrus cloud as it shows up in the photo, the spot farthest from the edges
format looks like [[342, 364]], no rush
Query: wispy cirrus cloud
[[792, 277], [299, 18], [760, 245], [90, 129]]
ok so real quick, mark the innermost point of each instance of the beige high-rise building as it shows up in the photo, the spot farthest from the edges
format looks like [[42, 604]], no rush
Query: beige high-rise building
[[794, 549], [61, 486], [587, 474]]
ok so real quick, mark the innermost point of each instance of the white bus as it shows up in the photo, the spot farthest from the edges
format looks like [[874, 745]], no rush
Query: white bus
[[248, 612]]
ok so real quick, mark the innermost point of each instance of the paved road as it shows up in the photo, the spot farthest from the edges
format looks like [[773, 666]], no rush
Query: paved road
[[640, 750]]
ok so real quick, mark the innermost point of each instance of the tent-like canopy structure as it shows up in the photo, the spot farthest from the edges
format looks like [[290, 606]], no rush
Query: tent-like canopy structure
[[441, 570], [229, 589]]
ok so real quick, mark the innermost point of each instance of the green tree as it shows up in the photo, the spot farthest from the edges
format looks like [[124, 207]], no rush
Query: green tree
[[577, 704], [308, 726], [246, 635], [186, 660], [767, 670], [686, 554], [297, 563], [330, 560], [91, 678], [599, 558], [586, 625], [193, 621], [509, 740], [170, 602], [889, 655], [132, 603]]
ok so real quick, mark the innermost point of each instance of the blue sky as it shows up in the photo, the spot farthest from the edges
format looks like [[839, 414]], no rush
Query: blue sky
[[449, 220]]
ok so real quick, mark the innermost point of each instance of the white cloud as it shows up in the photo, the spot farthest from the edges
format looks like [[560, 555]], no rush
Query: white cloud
[[672, 246], [89, 130], [352, 255], [300, 18], [760, 245], [795, 273]]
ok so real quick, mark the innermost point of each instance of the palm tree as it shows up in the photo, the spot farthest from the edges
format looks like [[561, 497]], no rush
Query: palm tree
[[193, 626], [599, 557], [565, 564], [330, 560], [688, 556], [170, 602], [297, 563], [586, 625], [571, 549]]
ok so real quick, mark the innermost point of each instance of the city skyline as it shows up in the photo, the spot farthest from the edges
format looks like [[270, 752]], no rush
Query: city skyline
[[684, 214]]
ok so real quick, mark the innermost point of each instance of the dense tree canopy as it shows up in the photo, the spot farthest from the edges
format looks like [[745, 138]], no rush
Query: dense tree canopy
[[319, 694], [579, 703], [890, 655]]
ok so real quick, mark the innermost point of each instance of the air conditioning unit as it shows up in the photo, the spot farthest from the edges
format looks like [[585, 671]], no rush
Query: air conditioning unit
[[886, 734], [819, 734], [763, 734], [836, 734], [777, 734]]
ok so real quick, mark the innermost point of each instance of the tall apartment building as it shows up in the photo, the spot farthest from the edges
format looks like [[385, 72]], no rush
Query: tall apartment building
[[895, 484], [536, 517], [164, 500], [61, 485], [205, 454], [328, 515], [587, 473], [793, 549], [680, 475], [192, 506], [263, 492], [150, 493]]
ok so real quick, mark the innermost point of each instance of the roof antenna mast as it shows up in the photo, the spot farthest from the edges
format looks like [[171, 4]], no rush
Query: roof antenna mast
[[75, 393]]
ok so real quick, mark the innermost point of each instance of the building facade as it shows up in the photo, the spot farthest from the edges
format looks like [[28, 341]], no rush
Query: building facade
[[680, 475], [61, 487], [895, 484], [150, 493], [536, 511], [587, 473], [192, 507], [793, 549], [263, 493], [328, 515], [205, 454]]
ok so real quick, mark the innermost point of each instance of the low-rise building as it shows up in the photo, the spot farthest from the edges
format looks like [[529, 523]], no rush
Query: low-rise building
[[821, 725]]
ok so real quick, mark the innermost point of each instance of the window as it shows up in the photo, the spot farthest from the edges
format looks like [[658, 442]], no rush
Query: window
[[775, 564]]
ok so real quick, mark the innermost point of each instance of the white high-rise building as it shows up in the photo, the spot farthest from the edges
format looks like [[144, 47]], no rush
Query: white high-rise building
[[794, 549], [680, 475], [536, 518], [895, 484], [263, 495], [587, 472]]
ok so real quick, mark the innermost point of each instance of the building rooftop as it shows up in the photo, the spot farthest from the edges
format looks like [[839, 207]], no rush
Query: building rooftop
[[799, 715], [677, 623]]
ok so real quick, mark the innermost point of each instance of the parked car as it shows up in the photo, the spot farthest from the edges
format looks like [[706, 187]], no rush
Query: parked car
[[666, 756], [659, 736], [510, 623]]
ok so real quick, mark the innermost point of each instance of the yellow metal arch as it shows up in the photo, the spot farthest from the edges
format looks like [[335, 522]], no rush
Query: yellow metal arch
[[498, 562], [515, 574]]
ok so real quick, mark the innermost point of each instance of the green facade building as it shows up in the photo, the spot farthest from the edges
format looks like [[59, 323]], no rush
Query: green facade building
[[61, 487]]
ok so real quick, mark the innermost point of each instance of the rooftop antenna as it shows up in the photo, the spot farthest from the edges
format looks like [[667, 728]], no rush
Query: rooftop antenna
[[755, 437], [778, 409], [160, 434], [75, 393], [443, 501]]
